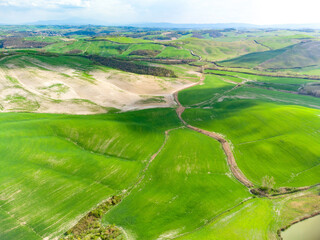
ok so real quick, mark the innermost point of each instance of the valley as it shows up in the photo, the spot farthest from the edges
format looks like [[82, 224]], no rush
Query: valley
[[115, 133]]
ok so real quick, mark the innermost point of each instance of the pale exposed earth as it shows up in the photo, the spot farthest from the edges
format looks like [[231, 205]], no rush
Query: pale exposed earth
[[43, 88]]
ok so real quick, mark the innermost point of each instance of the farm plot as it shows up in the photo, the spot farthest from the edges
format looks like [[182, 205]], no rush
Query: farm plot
[[56, 168], [273, 83], [259, 218], [213, 87], [187, 184], [269, 139]]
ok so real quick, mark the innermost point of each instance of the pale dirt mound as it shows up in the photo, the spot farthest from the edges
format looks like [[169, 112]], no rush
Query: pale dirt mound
[[51, 89]]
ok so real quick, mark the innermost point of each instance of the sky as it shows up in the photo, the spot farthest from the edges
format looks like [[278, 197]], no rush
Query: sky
[[262, 12]]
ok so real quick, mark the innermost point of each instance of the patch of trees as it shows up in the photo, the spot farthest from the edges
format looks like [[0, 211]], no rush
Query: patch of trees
[[90, 227], [75, 51], [20, 43], [81, 32], [312, 89], [197, 35], [146, 53], [211, 33], [130, 66]]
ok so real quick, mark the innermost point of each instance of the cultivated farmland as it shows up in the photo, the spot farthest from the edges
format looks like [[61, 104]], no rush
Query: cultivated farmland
[[134, 133]]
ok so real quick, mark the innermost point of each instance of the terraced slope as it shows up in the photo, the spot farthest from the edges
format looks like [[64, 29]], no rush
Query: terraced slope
[[56, 168], [187, 184]]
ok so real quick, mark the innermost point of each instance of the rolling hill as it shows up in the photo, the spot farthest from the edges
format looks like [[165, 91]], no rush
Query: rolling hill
[[301, 55]]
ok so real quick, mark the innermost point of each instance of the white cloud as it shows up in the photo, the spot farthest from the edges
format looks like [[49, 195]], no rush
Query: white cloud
[[287, 11], [176, 11], [45, 3]]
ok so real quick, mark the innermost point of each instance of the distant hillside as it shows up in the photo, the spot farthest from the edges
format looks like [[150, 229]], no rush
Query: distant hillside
[[225, 25], [194, 26], [300, 55], [217, 51], [304, 54]]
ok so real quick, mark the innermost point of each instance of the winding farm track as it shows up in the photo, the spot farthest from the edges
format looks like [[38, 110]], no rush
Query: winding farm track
[[224, 143]]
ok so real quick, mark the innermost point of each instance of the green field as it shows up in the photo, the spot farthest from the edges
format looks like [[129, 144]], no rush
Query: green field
[[213, 87], [187, 184], [80, 160], [300, 55], [118, 159], [216, 50], [120, 47], [103, 48], [273, 83], [268, 146], [256, 218]]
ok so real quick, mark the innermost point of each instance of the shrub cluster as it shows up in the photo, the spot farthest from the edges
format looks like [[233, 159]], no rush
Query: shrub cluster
[[129, 66], [90, 227], [20, 43], [148, 53]]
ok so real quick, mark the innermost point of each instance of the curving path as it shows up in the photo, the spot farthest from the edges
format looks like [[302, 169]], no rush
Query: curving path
[[224, 143]]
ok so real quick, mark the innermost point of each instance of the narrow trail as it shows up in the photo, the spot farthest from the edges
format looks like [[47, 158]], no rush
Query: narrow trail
[[261, 44], [214, 218], [224, 143], [142, 174], [212, 100]]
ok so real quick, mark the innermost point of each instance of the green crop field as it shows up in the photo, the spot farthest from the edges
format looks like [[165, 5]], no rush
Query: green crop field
[[275, 83], [257, 218], [187, 184], [157, 131], [213, 87], [103, 48], [253, 217], [216, 50], [273, 149], [80, 160], [298, 55]]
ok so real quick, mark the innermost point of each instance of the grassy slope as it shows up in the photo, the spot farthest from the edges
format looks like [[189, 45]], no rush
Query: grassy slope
[[187, 184], [121, 48], [145, 46], [303, 54], [249, 221], [55, 168], [213, 86], [268, 138], [127, 40], [259, 218], [253, 59], [268, 145], [280, 140], [103, 48], [175, 53], [279, 83], [280, 42], [216, 51]]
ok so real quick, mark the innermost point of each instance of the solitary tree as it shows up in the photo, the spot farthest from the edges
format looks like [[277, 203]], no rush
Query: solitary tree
[[268, 182]]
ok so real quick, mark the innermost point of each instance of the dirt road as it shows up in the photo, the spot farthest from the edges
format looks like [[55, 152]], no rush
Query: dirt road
[[224, 143]]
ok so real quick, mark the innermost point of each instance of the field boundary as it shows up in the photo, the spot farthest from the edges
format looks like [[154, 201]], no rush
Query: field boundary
[[295, 222], [233, 69], [214, 218], [237, 173]]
